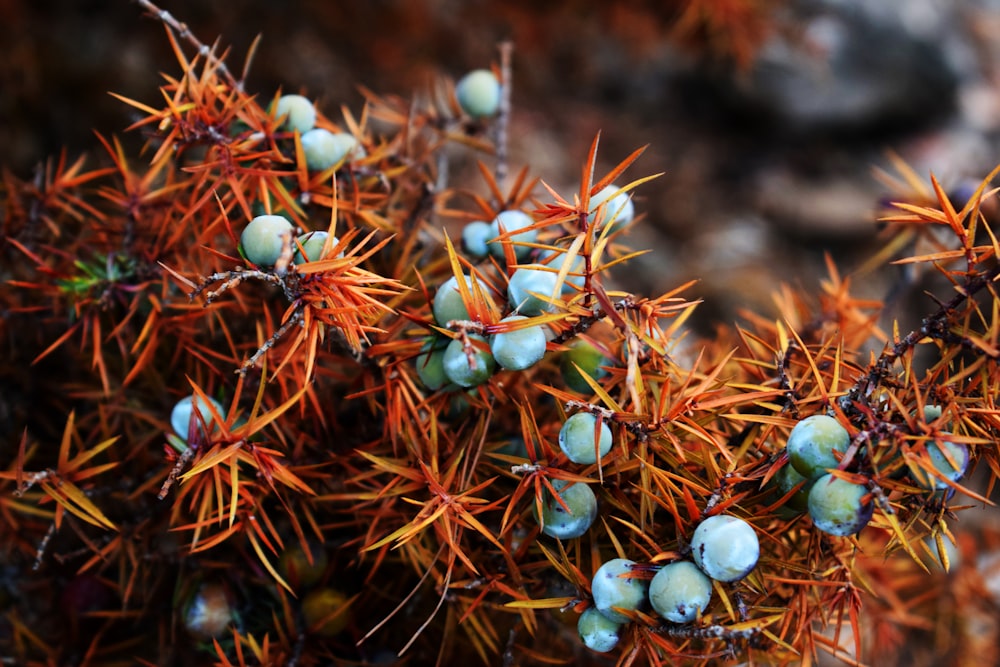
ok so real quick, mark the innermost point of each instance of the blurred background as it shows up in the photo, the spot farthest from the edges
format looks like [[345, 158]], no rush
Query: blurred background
[[766, 117]]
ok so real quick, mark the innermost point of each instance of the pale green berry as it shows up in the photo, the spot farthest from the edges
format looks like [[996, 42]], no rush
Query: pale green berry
[[458, 369], [577, 440], [518, 349], [324, 149], [530, 289], [588, 359], [838, 507], [298, 112], [180, 416], [448, 304], [557, 261], [597, 632], [262, 239], [312, 243], [512, 222], [813, 441], [725, 547], [680, 592], [475, 236], [953, 470], [430, 363], [582, 504], [612, 590], [478, 93], [618, 209], [932, 412]]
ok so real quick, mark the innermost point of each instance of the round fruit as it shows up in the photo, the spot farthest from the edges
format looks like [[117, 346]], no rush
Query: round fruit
[[953, 469], [557, 262], [725, 547], [180, 416], [787, 479], [296, 568], [457, 367], [262, 239], [837, 506], [430, 363], [588, 359], [512, 223], [526, 281], [597, 632], [209, 612], [324, 149], [324, 612], [478, 93], [312, 243], [618, 210], [577, 440], [610, 589], [298, 112], [812, 442], [475, 236], [680, 592], [448, 304], [582, 503], [519, 349]]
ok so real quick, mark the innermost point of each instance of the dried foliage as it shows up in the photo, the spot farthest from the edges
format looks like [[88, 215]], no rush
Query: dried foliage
[[327, 464]]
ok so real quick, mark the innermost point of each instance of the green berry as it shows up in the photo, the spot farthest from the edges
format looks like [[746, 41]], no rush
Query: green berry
[[295, 566], [525, 284], [430, 363], [324, 149], [813, 441], [457, 367], [954, 470], [576, 438], [680, 592], [512, 222], [612, 590], [298, 112], [837, 507], [725, 547], [262, 239], [475, 236], [588, 359], [448, 304], [557, 262], [180, 416], [324, 612], [597, 632], [787, 479], [582, 503], [518, 349], [618, 210], [312, 243], [478, 93]]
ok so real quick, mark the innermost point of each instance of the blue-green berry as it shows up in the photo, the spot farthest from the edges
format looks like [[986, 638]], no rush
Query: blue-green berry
[[475, 235], [448, 304], [680, 592], [588, 359], [312, 243], [725, 547], [557, 261], [582, 504], [457, 366], [298, 112], [530, 289], [478, 93], [518, 349], [577, 438], [838, 507], [430, 363], [262, 239], [953, 469], [512, 223], [180, 416], [787, 479], [324, 149], [812, 443], [618, 209], [597, 632], [610, 589]]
